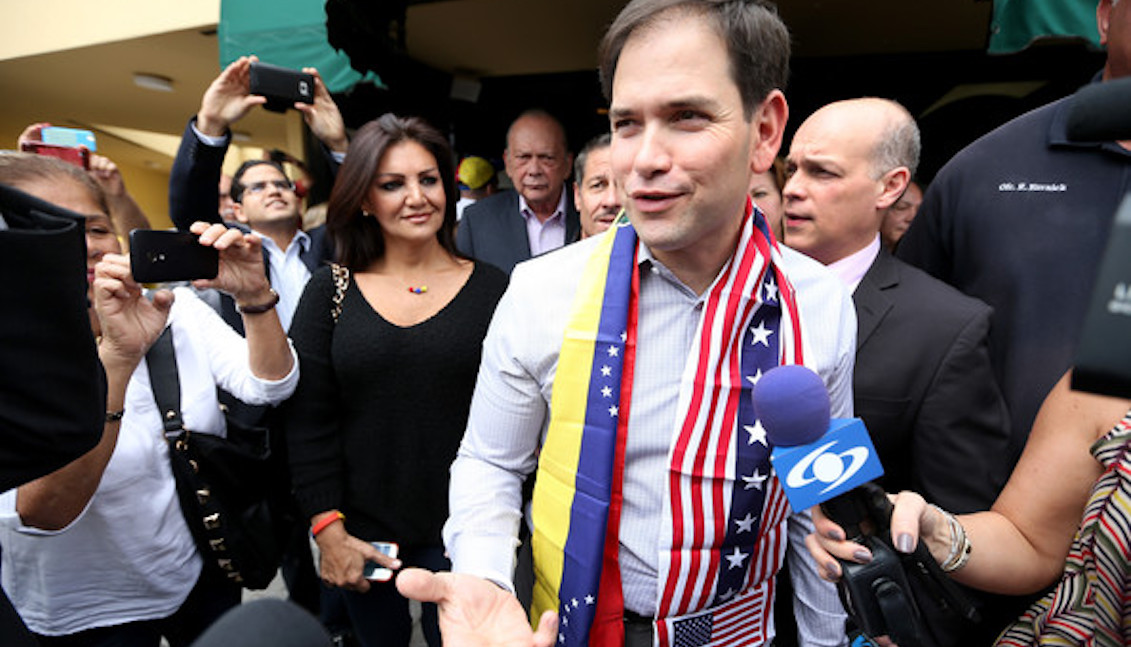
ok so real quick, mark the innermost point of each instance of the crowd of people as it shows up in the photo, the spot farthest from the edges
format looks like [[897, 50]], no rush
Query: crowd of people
[[529, 408]]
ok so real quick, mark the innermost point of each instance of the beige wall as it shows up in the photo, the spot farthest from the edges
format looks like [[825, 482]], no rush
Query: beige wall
[[42, 26]]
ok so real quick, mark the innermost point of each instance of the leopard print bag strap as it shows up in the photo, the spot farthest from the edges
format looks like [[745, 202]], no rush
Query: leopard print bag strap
[[341, 283]]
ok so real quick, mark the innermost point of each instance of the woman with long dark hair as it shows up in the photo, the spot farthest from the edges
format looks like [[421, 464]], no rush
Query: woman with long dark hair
[[389, 342]]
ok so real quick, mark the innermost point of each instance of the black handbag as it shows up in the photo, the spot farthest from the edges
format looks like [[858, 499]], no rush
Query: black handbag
[[229, 488]]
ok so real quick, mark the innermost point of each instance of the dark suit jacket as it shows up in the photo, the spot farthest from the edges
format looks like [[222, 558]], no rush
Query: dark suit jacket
[[925, 388], [194, 195], [493, 231]]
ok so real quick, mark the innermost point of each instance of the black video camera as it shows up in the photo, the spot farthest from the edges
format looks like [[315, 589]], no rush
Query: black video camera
[[906, 597]]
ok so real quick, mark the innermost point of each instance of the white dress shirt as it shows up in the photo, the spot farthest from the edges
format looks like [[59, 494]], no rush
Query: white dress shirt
[[510, 413], [129, 555], [287, 273]]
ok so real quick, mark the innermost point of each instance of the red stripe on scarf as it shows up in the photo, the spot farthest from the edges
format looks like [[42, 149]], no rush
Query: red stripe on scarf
[[608, 620]]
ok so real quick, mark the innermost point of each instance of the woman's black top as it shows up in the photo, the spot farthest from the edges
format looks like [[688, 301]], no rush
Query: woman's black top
[[380, 409]]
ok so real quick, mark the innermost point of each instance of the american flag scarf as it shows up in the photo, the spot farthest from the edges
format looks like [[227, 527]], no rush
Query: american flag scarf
[[724, 533]]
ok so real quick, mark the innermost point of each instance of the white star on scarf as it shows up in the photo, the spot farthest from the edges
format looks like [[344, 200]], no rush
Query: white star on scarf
[[574, 602], [757, 433], [607, 392], [589, 599], [754, 379], [613, 351], [735, 559], [746, 524], [606, 371], [613, 411], [624, 336], [771, 292], [754, 480], [761, 335], [729, 593]]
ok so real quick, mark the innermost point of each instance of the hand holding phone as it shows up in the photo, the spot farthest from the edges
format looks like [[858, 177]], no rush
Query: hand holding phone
[[283, 87], [374, 571]]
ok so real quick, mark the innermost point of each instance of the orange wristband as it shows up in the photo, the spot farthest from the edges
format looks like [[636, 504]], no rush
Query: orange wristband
[[325, 522]]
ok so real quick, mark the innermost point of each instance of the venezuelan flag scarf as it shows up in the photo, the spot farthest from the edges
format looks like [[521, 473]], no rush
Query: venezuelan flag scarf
[[724, 519]]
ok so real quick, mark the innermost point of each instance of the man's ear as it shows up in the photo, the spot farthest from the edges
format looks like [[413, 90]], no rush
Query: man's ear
[[1103, 19], [893, 184], [767, 130], [237, 211]]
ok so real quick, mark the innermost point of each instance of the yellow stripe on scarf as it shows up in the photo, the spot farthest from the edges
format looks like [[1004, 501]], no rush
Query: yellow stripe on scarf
[[554, 489]]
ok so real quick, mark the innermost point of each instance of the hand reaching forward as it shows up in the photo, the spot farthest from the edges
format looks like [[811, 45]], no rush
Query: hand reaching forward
[[130, 322], [476, 613]]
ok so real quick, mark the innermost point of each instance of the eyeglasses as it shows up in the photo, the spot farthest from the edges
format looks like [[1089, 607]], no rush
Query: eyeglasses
[[256, 188]]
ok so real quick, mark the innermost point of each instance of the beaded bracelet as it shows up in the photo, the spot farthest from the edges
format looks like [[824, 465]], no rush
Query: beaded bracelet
[[114, 416], [325, 522]]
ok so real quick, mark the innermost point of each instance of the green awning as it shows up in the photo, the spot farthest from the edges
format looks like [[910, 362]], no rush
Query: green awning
[[289, 33], [1018, 23]]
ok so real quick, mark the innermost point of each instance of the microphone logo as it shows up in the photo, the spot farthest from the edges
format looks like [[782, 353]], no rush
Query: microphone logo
[[827, 467], [837, 462]]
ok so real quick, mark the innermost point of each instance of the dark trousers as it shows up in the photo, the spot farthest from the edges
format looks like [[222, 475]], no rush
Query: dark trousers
[[209, 599], [381, 618], [637, 634]]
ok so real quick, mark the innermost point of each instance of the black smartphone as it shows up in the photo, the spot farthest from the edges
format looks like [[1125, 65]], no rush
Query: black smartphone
[[282, 86], [159, 256]]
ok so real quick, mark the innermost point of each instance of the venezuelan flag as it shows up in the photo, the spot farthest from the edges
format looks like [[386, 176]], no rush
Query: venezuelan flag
[[576, 467]]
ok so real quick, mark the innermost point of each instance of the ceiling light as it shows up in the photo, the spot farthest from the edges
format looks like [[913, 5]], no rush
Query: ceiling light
[[153, 82]]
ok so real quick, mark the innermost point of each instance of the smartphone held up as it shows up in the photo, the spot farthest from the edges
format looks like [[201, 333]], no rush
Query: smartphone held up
[[281, 86], [161, 256]]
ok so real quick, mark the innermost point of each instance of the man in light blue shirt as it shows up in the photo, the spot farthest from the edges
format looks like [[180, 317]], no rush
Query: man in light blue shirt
[[696, 109]]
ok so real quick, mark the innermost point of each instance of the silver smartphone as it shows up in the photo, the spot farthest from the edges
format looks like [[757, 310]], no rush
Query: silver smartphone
[[376, 572]]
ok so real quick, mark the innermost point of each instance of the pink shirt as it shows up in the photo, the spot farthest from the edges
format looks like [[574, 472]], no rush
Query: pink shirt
[[544, 236], [852, 268]]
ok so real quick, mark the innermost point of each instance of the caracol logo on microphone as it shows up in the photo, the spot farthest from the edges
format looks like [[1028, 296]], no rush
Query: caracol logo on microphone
[[825, 465], [837, 462]]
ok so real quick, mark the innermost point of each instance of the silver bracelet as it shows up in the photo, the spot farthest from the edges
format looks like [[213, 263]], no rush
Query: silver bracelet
[[960, 546]]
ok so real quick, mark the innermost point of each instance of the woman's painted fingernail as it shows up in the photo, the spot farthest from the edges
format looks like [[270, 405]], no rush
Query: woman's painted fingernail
[[836, 534], [833, 569], [905, 543], [862, 556]]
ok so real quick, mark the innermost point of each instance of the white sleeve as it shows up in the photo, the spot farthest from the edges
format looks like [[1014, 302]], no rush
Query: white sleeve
[[499, 448], [227, 354], [816, 606]]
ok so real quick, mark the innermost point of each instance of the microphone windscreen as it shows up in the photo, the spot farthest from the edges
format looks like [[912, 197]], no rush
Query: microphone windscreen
[[1101, 112], [792, 404], [266, 622]]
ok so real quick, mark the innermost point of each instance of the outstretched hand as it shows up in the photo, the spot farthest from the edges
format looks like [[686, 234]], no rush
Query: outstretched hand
[[129, 321], [227, 100], [476, 613]]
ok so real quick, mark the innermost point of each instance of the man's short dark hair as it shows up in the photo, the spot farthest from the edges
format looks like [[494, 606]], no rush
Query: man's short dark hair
[[757, 41], [236, 192], [598, 142]]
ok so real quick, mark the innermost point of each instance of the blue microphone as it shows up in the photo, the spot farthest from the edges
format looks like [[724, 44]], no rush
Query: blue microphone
[[816, 458]]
